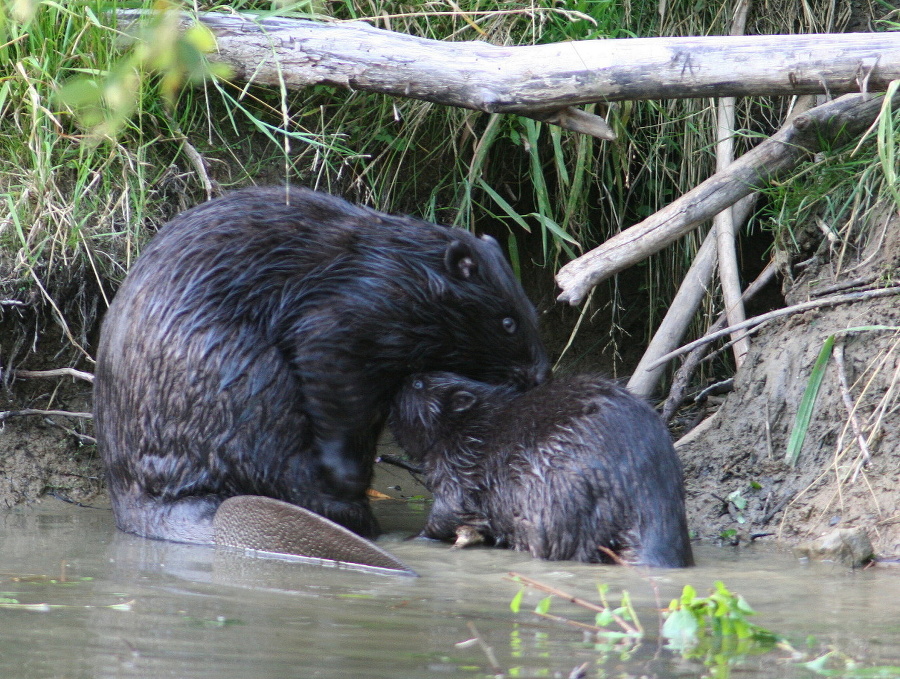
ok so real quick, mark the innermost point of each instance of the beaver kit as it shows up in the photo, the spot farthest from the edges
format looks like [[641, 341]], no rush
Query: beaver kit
[[575, 464], [257, 343]]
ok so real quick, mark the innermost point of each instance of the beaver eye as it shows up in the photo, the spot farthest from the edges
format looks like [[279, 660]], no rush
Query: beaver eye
[[418, 384], [509, 324]]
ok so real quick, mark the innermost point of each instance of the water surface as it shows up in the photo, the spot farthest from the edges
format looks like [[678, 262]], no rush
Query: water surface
[[121, 606]]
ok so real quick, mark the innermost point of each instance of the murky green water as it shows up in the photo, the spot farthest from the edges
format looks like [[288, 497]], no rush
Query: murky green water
[[119, 606]]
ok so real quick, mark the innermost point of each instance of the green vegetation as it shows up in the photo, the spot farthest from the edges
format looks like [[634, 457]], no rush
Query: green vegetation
[[712, 630], [807, 403], [106, 133]]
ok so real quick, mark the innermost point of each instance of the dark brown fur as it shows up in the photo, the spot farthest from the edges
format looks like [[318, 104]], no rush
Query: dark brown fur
[[560, 470], [257, 343]]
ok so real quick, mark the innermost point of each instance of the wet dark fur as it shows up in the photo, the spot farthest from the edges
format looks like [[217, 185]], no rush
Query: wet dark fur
[[572, 464], [255, 348]]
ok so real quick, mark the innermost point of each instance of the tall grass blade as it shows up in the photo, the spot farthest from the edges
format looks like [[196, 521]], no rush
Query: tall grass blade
[[804, 412]]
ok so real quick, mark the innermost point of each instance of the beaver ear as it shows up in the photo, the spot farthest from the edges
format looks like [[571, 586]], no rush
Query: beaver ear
[[490, 240], [460, 261], [461, 401]]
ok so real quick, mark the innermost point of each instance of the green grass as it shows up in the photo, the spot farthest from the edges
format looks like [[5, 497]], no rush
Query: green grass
[[76, 203]]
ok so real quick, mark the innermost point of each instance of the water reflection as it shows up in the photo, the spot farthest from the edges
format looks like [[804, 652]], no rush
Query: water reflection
[[127, 607]]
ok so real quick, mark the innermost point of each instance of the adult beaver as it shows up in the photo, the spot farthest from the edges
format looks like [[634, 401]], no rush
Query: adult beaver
[[574, 464], [257, 343]]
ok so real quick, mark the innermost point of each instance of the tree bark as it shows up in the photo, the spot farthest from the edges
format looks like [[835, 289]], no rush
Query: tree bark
[[836, 122], [525, 79]]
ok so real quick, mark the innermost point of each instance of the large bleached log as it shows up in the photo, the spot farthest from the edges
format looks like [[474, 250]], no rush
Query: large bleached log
[[523, 79]]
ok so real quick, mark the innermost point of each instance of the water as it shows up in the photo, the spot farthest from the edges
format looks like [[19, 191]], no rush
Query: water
[[184, 611]]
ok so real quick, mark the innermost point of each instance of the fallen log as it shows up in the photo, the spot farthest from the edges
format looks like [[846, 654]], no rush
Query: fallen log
[[544, 80]]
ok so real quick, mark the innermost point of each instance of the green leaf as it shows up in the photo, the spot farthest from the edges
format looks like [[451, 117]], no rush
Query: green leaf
[[506, 207], [516, 602], [543, 606], [804, 412], [681, 628], [604, 618]]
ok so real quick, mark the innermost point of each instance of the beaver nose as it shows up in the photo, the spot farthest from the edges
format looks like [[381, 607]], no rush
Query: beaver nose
[[536, 374], [540, 374]]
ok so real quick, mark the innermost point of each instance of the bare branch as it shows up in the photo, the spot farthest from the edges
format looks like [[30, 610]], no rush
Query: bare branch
[[837, 122], [57, 372], [786, 311], [5, 415]]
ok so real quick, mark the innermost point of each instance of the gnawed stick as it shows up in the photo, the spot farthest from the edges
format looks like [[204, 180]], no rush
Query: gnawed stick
[[726, 233]]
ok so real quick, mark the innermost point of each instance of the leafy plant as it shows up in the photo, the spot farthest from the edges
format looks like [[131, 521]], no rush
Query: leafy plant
[[714, 625], [714, 629]]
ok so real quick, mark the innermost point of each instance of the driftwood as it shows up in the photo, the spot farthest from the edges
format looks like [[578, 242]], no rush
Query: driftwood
[[693, 290], [836, 122], [545, 81]]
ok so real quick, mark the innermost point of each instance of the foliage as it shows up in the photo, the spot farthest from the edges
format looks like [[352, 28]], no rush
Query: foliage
[[714, 628], [805, 410], [74, 211], [104, 102]]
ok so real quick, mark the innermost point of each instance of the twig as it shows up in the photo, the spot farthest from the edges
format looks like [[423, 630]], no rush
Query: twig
[[569, 621], [5, 415], [685, 372], [83, 439], [195, 158], [541, 587], [399, 462], [571, 598], [838, 354], [786, 311], [488, 651], [56, 372], [777, 508], [844, 285], [616, 559]]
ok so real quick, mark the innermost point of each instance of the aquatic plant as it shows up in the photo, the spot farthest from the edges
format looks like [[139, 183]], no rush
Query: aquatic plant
[[714, 629]]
